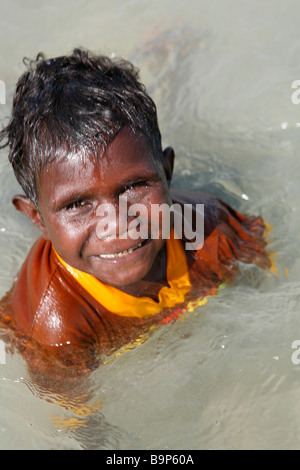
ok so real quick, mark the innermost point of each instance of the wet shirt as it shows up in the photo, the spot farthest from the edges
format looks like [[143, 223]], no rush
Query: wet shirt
[[63, 317]]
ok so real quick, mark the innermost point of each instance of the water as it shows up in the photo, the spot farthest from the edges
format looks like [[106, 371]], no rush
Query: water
[[221, 74]]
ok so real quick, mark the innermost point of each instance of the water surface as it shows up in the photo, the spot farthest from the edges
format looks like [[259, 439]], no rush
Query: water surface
[[221, 74]]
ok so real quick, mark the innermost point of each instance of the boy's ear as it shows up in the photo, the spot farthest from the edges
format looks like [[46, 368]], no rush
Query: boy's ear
[[27, 207], [168, 162]]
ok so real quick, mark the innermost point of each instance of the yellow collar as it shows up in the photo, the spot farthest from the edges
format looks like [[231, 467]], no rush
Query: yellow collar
[[127, 305]]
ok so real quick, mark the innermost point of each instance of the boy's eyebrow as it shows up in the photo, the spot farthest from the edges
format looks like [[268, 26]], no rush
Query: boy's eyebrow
[[67, 197], [135, 178]]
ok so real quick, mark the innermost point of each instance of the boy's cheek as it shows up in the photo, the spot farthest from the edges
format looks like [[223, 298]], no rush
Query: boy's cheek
[[66, 238]]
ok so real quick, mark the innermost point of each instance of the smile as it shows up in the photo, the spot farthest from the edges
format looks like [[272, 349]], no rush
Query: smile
[[121, 253]]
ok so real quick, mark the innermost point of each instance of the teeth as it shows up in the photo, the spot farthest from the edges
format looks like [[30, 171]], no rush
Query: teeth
[[121, 253]]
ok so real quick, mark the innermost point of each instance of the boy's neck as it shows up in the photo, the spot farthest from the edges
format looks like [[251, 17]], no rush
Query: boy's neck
[[155, 280]]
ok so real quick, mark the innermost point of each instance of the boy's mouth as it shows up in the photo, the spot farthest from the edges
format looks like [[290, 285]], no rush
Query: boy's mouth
[[120, 254]]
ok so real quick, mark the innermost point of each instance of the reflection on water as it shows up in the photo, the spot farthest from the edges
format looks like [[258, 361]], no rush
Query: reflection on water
[[223, 378]]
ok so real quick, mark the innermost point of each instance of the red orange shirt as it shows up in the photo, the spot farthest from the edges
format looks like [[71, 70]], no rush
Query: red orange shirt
[[50, 305]]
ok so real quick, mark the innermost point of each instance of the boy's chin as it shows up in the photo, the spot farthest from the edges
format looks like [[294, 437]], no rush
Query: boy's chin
[[122, 281]]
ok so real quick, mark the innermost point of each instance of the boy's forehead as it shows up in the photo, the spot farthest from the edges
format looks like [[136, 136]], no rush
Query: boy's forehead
[[125, 146], [123, 150]]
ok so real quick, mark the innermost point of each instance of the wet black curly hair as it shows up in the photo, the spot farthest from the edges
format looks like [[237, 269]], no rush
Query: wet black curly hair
[[78, 101]]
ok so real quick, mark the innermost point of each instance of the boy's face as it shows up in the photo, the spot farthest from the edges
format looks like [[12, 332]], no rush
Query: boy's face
[[71, 191]]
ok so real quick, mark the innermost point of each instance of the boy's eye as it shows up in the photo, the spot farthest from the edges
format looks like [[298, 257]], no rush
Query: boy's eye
[[75, 205], [135, 185]]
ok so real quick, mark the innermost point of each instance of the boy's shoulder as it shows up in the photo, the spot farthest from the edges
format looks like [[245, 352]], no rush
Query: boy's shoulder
[[182, 196], [214, 209], [229, 236], [46, 302]]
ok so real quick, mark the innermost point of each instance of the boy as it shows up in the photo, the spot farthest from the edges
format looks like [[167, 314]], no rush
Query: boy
[[84, 136]]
